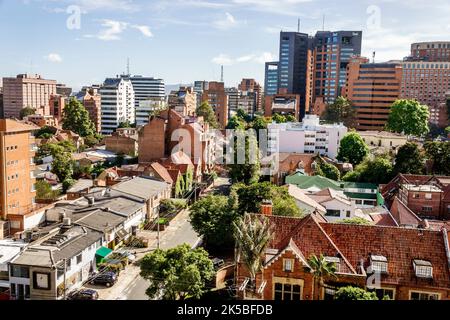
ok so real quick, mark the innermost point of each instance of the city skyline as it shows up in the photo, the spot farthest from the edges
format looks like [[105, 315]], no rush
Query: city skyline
[[183, 41]]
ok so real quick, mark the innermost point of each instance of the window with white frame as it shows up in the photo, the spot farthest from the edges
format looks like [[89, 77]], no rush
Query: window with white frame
[[288, 265], [417, 295], [335, 260], [379, 264], [423, 269], [285, 291]]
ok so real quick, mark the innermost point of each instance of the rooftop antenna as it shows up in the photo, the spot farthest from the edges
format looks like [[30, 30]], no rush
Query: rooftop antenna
[[298, 26], [323, 23], [221, 74], [128, 66], [373, 56]]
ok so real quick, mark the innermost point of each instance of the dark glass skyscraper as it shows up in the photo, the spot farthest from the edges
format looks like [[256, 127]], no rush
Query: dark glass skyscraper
[[271, 79]]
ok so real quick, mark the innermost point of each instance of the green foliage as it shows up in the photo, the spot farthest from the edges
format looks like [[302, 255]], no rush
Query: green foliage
[[81, 171], [321, 269], [236, 123], [340, 111], [447, 130], [250, 197], [354, 293], [439, 155], [409, 159], [62, 166], [45, 133], [279, 118], [259, 123], [27, 111], [327, 170], [409, 117], [126, 124], [291, 118], [353, 149], [173, 205], [76, 118], [212, 217], [248, 172], [378, 170], [207, 112], [91, 141], [356, 221], [178, 273], [44, 191], [67, 184]]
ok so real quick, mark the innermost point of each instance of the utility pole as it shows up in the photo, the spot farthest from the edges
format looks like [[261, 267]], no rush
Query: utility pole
[[65, 278], [157, 243]]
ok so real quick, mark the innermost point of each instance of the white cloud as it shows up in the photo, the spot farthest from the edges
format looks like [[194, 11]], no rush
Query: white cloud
[[226, 60], [227, 23], [53, 57], [282, 7], [145, 30]]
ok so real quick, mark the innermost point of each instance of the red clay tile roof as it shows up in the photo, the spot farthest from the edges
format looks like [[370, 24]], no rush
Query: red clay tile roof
[[162, 172], [403, 215]]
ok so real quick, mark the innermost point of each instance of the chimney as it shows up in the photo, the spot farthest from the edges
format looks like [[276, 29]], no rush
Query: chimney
[[91, 201], [424, 224], [267, 208]]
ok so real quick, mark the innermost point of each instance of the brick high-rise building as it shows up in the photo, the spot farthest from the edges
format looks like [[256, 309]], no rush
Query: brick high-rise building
[[373, 88], [26, 91], [430, 51], [17, 149], [183, 101], [251, 86], [56, 106], [92, 101], [217, 98]]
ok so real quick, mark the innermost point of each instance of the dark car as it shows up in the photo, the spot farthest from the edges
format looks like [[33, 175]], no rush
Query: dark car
[[218, 263], [106, 279], [84, 294]]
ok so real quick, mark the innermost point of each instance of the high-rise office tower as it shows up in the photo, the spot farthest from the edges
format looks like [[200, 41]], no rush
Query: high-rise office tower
[[271, 79], [430, 51], [117, 96]]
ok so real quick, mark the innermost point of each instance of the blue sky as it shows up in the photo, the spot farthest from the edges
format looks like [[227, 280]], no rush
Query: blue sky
[[183, 41]]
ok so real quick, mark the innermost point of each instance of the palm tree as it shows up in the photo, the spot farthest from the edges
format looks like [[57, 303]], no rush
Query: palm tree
[[252, 234], [321, 268]]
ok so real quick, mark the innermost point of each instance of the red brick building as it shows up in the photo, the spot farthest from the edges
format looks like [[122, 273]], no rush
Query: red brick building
[[217, 98], [402, 263]]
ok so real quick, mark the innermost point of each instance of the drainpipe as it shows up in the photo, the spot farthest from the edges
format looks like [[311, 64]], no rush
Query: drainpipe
[[447, 246]]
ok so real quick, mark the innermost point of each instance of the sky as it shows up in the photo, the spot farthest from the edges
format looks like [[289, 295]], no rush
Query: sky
[[81, 42]]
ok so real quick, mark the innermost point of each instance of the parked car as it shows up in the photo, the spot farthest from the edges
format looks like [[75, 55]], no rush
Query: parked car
[[108, 279], [84, 294], [218, 263]]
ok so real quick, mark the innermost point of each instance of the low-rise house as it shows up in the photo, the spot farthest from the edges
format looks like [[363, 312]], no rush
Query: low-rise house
[[401, 263], [81, 188], [337, 205], [9, 249], [304, 202], [56, 263], [387, 141], [288, 164]]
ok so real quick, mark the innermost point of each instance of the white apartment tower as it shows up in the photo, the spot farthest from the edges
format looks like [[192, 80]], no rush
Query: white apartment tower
[[309, 136], [118, 103]]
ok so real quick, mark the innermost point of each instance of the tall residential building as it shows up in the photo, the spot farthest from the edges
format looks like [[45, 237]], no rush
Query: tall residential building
[[294, 63], [233, 100], [17, 150], [56, 106], [183, 101], [332, 54], [428, 83], [199, 87], [148, 107], [117, 103], [308, 136], [217, 98], [252, 90], [27, 91], [271, 79], [92, 101], [430, 51], [1, 103], [63, 90], [373, 88]]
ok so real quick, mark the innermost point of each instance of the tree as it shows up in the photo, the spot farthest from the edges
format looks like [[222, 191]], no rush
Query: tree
[[341, 110], [244, 116], [76, 118], [177, 273], [327, 170], [252, 234], [259, 123], [127, 124], [248, 171], [91, 141], [409, 159], [291, 118], [354, 293], [321, 269], [207, 112], [212, 218], [62, 166], [378, 170], [27, 111], [438, 153], [279, 118], [236, 123], [352, 149], [356, 221], [45, 133], [44, 191], [409, 117]]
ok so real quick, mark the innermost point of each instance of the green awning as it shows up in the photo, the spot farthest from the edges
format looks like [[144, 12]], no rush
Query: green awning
[[103, 252]]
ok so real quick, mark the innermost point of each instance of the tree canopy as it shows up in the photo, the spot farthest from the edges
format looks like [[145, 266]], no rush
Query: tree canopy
[[341, 110], [178, 273], [352, 149], [327, 170], [438, 153], [377, 170], [76, 118], [27, 111], [62, 166], [409, 117], [354, 293], [207, 112], [249, 171], [409, 159]]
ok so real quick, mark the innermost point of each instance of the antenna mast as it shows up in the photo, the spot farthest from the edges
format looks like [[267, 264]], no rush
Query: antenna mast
[[298, 26], [373, 56], [221, 74], [323, 23], [128, 66]]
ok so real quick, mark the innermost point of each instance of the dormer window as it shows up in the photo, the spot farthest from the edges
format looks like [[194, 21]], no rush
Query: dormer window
[[288, 265], [335, 260], [379, 264], [423, 269]]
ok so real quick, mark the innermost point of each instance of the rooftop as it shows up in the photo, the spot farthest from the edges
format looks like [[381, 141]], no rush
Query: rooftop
[[142, 187], [422, 188]]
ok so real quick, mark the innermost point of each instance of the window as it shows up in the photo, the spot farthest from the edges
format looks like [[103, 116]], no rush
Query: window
[[20, 272], [287, 291], [13, 290], [428, 196], [348, 214], [333, 213], [288, 265], [416, 196], [41, 281], [384, 292], [379, 264], [335, 260], [423, 269], [329, 294], [79, 258], [416, 295]]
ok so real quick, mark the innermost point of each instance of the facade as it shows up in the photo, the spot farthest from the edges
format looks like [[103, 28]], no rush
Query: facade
[[117, 103], [123, 141], [332, 54], [271, 79], [309, 136], [282, 103], [92, 101], [251, 92], [17, 148], [430, 51], [56, 106], [217, 98], [233, 100], [147, 108], [27, 91], [372, 88], [428, 82], [370, 257], [183, 101], [388, 141]]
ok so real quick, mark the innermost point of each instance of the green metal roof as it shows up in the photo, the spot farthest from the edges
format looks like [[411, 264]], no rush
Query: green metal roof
[[103, 252], [360, 185], [306, 182], [367, 196]]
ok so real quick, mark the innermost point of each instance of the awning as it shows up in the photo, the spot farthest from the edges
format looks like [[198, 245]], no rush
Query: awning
[[103, 252], [121, 234]]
